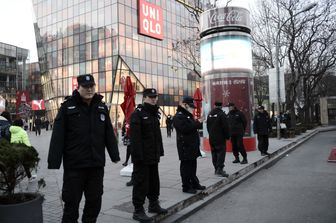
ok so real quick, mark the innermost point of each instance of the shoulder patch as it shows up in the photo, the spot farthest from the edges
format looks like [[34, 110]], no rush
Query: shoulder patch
[[71, 107], [101, 107]]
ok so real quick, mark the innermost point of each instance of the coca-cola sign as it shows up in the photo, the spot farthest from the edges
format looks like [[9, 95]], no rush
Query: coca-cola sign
[[225, 17]]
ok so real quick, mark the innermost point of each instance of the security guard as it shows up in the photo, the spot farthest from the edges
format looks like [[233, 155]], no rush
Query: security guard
[[218, 128], [82, 130], [146, 142], [262, 127], [238, 123], [188, 145]]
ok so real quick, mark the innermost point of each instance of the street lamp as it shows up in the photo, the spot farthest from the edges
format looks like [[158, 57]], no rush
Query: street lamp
[[305, 9]]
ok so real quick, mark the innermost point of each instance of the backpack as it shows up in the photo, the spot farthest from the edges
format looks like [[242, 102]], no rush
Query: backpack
[[4, 132]]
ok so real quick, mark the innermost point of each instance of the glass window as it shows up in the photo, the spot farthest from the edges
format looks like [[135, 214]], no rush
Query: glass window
[[101, 17], [121, 13], [101, 64], [129, 44], [70, 55], [101, 48], [101, 81], [94, 49], [94, 66], [88, 67], [88, 51], [82, 68], [94, 19], [108, 45], [108, 63], [82, 51], [76, 54], [109, 81], [108, 19]]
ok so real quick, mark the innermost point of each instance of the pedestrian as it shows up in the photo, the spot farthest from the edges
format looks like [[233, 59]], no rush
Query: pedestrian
[[38, 124], [47, 124], [169, 125], [188, 144], [147, 148], [218, 128], [237, 123], [82, 129], [262, 127], [19, 135]]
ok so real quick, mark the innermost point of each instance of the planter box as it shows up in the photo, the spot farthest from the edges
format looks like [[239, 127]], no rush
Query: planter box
[[27, 212]]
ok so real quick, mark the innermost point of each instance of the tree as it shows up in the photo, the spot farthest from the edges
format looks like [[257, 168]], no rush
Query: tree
[[307, 46]]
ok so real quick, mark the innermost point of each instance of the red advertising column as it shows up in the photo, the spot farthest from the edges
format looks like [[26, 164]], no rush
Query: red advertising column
[[226, 63]]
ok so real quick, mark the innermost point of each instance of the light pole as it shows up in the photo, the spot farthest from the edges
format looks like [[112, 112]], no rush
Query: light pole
[[277, 68]]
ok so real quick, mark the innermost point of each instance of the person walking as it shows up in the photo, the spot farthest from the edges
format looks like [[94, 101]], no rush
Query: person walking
[[47, 124], [237, 123], [38, 124], [218, 128], [82, 129], [188, 144], [169, 125], [147, 148], [262, 127]]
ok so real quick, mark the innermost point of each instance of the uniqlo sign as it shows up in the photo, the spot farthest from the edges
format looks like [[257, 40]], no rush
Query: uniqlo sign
[[150, 20]]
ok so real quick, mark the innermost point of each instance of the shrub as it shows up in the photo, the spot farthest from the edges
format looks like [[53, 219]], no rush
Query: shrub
[[14, 159]]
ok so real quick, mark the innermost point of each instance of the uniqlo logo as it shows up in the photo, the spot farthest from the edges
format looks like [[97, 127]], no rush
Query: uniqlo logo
[[150, 20]]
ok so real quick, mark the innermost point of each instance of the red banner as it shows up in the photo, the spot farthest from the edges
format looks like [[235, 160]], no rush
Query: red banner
[[150, 20], [22, 97]]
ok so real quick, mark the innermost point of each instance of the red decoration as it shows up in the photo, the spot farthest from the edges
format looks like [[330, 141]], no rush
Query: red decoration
[[129, 102]]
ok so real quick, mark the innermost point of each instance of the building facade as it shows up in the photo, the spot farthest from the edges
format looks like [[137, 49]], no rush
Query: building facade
[[13, 73], [108, 39]]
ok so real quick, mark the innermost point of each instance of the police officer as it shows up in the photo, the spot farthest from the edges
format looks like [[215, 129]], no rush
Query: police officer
[[237, 123], [262, 127], [218, 128], [188, 143], [82, 130], [146, 142]]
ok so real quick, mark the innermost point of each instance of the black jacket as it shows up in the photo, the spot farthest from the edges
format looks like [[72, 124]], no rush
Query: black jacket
[[237, 122], [218, 127], [81, 133], [145, 134], [262, 123], [187, 137]]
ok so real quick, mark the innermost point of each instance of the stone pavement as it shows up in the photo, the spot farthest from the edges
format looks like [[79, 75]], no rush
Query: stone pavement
[[117, 205]]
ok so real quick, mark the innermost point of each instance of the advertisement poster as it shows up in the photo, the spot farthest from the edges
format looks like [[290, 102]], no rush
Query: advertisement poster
[[150, 20], [232, 89]]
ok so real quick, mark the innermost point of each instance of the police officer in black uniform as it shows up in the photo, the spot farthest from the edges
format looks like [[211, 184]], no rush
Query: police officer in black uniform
[[237, 123], [146, 143], [218, 128], [82, 130], [262, 127], [188, 143]]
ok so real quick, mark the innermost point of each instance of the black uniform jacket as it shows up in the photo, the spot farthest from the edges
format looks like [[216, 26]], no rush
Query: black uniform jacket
[[187, 137], [218, 127], [237, 122], [145, 134], [81, 133], [262, 123]]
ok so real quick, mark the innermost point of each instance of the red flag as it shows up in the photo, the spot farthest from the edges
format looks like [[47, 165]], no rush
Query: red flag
[[198, 103], [129, 102]]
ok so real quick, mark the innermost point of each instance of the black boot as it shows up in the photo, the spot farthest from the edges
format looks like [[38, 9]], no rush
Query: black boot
[[236, 160], [154, 207], [129, 183], [140, 215], [244, 161], [221, 173]]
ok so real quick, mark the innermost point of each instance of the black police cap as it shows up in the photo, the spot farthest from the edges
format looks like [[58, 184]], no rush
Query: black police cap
[[150, 92], [188, 100], [85, 80]]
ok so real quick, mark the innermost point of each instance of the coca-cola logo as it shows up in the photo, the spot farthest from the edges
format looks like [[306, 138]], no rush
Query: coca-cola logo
[[233, 16]]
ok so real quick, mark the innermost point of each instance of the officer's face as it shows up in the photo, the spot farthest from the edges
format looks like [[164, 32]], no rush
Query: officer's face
[[151, 100], [87, 92]]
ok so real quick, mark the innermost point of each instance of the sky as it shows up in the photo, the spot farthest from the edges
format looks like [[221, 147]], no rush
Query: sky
[[16, 22], [17, 18]]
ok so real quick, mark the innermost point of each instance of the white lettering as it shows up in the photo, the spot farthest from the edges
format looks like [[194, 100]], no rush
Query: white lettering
[[152, 13], [158, 28], [145, 25], [145, 10]]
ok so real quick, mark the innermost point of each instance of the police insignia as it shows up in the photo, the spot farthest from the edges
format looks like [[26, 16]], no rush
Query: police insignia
[[102, 117]]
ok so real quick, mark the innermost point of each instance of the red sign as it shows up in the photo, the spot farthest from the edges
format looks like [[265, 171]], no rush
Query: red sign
[[22, 97], [150, 20], [74, 83], [38, 105]]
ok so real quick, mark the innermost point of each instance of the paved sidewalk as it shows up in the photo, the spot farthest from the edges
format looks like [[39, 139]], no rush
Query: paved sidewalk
[[117, 205]]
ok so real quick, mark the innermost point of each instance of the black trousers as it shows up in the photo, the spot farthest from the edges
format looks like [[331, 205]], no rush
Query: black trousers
[[218, 153], [128, 153], [169, 130], [188, 170], [38, 130], [76, 182], [262, 143], [238, 146], [146, 183]]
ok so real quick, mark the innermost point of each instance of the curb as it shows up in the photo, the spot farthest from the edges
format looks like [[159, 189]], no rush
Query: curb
[[187, 207]]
